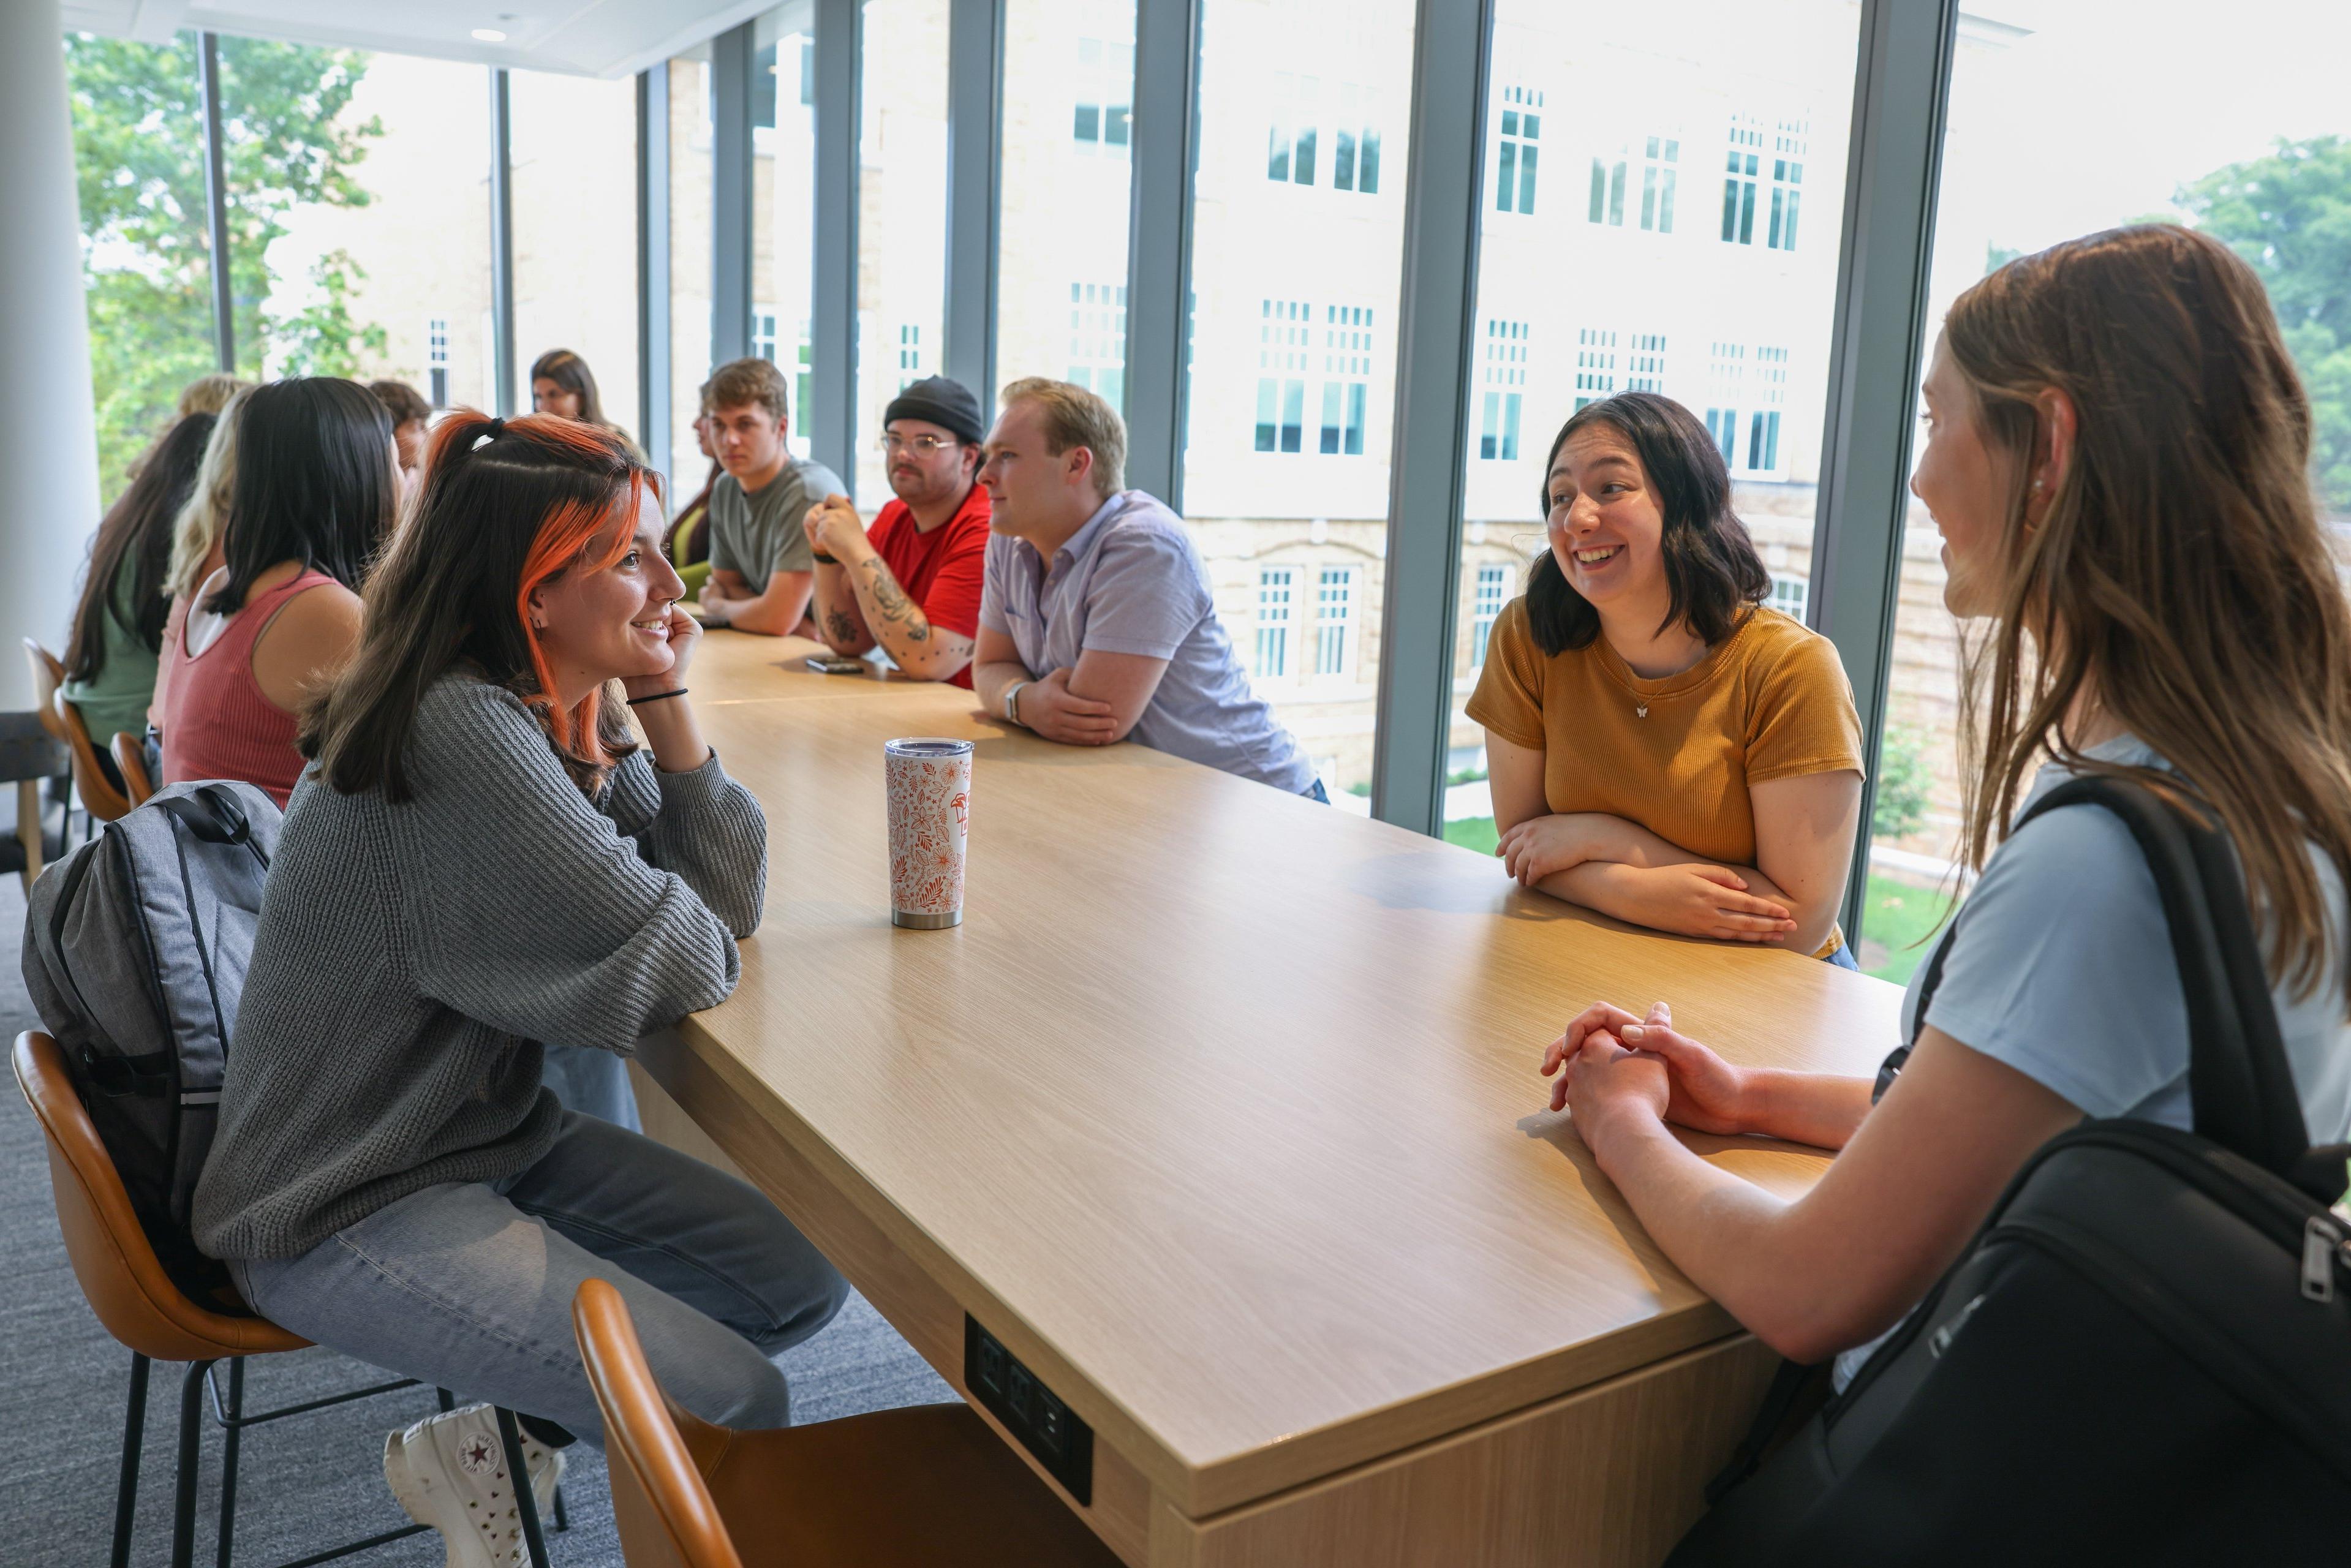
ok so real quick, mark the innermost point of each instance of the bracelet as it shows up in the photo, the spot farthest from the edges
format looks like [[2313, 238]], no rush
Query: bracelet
[[658, 696], [1013, 700], [824, 560]]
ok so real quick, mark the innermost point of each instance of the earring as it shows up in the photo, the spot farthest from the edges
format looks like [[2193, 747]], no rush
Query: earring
[[2039, 484]]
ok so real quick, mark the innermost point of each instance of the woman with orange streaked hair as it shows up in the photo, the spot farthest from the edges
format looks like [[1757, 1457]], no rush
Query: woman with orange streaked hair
[[480, 860]]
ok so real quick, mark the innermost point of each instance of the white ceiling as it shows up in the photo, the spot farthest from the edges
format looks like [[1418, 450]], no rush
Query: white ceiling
[[585, 38]]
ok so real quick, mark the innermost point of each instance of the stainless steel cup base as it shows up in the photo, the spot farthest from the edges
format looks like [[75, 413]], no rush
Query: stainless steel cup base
[[924, 922]]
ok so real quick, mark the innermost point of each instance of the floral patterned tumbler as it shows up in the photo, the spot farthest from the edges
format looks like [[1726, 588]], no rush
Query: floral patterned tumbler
[[929, 787]]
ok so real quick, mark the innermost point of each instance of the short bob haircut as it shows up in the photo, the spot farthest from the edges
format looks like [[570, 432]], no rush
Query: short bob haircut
[[1711, 567], [314, 484], [505, 505]]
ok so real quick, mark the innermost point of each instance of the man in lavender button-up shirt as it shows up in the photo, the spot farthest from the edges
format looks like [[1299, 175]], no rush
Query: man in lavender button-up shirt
[[1096, 623]]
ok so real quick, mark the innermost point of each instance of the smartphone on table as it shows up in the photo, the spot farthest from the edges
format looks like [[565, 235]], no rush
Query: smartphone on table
[[835, 665]]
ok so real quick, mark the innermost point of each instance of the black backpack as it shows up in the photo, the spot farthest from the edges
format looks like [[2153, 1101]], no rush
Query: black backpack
[[135, 952], [2144, 1356]]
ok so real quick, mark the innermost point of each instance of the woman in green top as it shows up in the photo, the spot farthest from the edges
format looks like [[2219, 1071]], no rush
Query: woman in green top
[[118, 629]]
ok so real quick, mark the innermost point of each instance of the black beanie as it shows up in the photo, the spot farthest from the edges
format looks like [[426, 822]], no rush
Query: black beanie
[[946, 403]]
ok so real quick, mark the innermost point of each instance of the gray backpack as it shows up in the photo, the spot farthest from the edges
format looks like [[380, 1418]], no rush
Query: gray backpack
[[135, 952]]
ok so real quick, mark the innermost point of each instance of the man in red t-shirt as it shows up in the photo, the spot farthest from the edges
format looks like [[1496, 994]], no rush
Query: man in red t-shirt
[[912, 584]]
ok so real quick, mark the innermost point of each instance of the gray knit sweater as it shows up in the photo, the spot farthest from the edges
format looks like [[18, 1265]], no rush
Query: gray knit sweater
[[409, 958]]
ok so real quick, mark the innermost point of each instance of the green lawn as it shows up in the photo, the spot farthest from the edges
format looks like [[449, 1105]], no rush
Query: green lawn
[[1894, 918]]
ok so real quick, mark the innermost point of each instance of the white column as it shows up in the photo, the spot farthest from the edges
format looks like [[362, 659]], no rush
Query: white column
[[49, 435]]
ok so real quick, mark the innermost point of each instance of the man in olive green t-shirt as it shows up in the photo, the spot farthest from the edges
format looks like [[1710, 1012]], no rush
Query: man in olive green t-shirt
[[762, 568]]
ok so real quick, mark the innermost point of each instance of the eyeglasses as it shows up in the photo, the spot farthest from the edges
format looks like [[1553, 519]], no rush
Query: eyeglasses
[[925, 444]]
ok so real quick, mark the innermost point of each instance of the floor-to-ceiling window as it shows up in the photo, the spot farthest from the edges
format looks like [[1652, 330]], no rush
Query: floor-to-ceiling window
[[574, 157], [2108, 143], [1662, 192], [902, 200], [1061, 289], [783, 196], [1297, 254]]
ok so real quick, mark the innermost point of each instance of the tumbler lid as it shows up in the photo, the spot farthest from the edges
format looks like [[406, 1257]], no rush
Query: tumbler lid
[[926, 746]]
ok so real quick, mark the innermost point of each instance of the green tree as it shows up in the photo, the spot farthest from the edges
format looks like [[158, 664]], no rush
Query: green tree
[[139, 150], [1905, 782], [2289, 214]]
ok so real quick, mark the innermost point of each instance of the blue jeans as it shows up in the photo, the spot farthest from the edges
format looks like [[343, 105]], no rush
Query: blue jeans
[[1843, 958], [593, 1083], [469, 1285]]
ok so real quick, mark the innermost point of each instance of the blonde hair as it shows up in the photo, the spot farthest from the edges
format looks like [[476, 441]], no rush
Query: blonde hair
[[204, 515], [211, 394], [1076, 417], [2178, 578]]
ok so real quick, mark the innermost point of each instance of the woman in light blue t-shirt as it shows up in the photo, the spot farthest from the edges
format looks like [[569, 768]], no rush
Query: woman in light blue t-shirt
[[2117, 455]]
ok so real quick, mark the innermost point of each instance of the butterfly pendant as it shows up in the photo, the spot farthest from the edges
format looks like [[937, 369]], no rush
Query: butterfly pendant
[[1642, 711]]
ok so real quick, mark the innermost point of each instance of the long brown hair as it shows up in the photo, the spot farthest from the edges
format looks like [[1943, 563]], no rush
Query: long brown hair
[[2179, 575], [569, 372], [137, 529], [507, 505]]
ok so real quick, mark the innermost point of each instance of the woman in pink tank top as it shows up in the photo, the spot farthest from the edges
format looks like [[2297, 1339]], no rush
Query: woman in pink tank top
[[315, 490]]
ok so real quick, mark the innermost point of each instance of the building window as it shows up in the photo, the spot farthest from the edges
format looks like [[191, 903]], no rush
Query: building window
[[1290, 151], [1274, 588], [436, 360], [763, 333], [1283, 326], [1595, 365], [1728, 374], [1514, 185], [1608, 184], [1771, 393], [1493, 588], [1645, 369], [1355, 164], [1105, 95], [1739, 184], [1790, 594], [1346, 377], [1335, 610], [1098, 340], [1506, 378], [910, 354], [1787, 181], [1661, 167]]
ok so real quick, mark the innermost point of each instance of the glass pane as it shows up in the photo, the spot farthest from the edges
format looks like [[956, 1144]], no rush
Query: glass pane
[[1295, 274], [1591, 288], [574, 152], [691, 168], [2092, 66], [902, 218], [1061, 289], [783, 201], [137, 112], [369, 214]]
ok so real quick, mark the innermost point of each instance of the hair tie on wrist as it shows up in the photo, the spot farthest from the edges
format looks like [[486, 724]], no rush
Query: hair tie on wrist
[[657, 697]]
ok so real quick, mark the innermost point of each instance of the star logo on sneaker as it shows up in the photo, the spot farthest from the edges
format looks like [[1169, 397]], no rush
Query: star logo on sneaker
[[477, 1455]]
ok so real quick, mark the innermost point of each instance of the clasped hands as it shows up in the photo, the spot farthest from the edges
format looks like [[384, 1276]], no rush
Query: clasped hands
[[1614, 1072], [1049, 707], [834, 529], [1692, 899]]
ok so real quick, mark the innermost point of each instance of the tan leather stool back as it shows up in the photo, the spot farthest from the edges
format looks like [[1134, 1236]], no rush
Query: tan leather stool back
[[130, 760], [117, 1268], [48, 674], [657, 1453]]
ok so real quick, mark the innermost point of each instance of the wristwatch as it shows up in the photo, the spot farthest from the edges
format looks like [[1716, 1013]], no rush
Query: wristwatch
[[1013, 700]]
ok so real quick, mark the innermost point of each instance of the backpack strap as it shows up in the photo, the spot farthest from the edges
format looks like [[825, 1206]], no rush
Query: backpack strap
[[215, 814], [2240, 1082]]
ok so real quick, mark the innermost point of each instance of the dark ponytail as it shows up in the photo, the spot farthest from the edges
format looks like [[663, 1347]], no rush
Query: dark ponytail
[[1711, 567]]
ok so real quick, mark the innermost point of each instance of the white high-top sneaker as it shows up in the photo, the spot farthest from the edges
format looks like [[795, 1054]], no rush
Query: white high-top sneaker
[[449, 1471]]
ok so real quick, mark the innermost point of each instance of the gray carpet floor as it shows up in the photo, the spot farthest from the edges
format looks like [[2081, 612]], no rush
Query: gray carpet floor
[[305, 1484]]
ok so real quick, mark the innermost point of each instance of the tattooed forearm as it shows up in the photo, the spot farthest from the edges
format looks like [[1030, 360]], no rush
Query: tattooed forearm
[[892, 601], [840, 626]]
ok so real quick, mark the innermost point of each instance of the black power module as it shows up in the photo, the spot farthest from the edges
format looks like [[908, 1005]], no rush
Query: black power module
[[1048, 1428]]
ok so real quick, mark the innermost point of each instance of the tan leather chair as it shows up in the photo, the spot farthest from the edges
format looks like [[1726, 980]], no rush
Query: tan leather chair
[[930, 1486], [141, 1306], [98, 796], [130, 761]]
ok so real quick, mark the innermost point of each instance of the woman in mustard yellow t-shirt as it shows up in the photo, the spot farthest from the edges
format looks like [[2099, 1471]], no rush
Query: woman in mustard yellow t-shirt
[[1663, 748]]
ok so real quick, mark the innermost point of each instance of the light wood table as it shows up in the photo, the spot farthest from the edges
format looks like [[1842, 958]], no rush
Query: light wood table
[[1220, 1110]]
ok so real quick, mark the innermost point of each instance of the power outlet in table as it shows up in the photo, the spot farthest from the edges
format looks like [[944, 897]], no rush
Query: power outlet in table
[[1033, 1413]]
